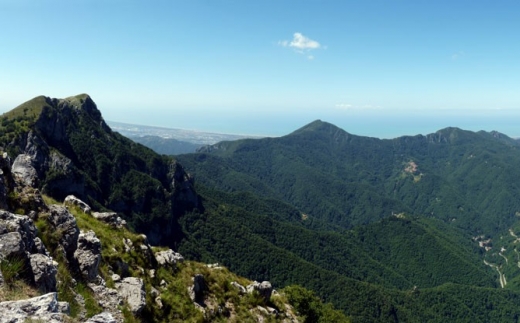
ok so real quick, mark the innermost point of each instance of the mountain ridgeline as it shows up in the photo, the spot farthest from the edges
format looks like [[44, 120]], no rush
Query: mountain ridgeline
[[73, 151], [397, 230]]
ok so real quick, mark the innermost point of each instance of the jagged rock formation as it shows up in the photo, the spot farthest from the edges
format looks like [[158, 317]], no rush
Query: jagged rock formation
[[45, 308], [132, 290], [111, 218], [71, 200], [44, 271], [69, 150], [168, 258], [88, 255]]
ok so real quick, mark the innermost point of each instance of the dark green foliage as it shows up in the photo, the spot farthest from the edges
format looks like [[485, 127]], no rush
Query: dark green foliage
[[468, 179], [310, 307]]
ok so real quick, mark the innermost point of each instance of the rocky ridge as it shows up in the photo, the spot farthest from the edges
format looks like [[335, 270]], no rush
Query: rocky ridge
[[55, 237]]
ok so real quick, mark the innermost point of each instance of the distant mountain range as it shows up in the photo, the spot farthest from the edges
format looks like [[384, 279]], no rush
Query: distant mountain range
[[412, 229]]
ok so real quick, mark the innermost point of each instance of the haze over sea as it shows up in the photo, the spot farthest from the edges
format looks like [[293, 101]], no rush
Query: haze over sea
[[376, 124]]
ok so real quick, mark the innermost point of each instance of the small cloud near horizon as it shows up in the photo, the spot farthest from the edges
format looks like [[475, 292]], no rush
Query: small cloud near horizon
[[301, 44], [457, 55]]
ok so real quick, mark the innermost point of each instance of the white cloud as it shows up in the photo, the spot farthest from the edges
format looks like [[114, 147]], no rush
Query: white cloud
[[301, 44], [343, 106], [457, 55]]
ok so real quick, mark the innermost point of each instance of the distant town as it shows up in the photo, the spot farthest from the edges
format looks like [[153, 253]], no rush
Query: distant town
[[191, 136]]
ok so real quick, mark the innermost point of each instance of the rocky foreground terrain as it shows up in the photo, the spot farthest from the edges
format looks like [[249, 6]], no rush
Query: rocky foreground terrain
[[62, 262]]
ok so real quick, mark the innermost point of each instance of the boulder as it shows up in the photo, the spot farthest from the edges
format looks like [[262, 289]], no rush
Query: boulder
[[22, 224], [45, 308], [71, 200], [11, 245], [65, 223], [44, 271], [88, 255], [265, 289], [132, 290], [24, 170], [168, 257], [110, 218]]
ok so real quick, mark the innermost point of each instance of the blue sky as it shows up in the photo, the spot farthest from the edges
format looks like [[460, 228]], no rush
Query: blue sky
[[378, 68]]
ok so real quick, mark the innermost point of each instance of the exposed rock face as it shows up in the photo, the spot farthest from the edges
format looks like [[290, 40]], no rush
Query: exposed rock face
[[23, 169], [44, 270], [109, 300], [168, 258], [132, 290], [45, 308], [21, 224], [197, 290], [74, 201], [265, 289], [110, 218], [11, 245], [64, 222], [88, 255], [104, 317]]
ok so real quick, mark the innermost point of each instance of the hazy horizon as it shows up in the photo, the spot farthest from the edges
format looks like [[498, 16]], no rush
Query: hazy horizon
[[378, 68]]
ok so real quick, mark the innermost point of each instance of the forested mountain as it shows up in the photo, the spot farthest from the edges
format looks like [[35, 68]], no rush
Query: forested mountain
[[386, 230], [470, 179]]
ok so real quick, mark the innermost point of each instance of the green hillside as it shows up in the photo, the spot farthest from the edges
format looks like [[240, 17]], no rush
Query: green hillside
[[383, 229]]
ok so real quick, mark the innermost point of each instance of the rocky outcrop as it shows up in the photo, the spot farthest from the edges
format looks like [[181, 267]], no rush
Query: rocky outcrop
[[104, 317], [131, 289], [168, 258], [71, 200], [23, 168], [11, 245], [196, 291], [88, 255], [44, 271], [45, 308], [65, 223], [265, 289], [21, 224], [111, 218]]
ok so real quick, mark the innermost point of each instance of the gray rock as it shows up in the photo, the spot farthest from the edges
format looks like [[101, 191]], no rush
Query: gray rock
[[24, 169], [1, 279], [45, 308], [132, 290], [265, 289], [44, 271], [64, 222], [71, 200], [88, 255], [11, 245], [22, 224], [241, 289], [39, 247], [110, 218], [168, 257], [104, 317], [109, 299]]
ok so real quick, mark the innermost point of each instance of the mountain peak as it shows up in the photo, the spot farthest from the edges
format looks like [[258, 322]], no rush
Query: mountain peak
[[319, 126]]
